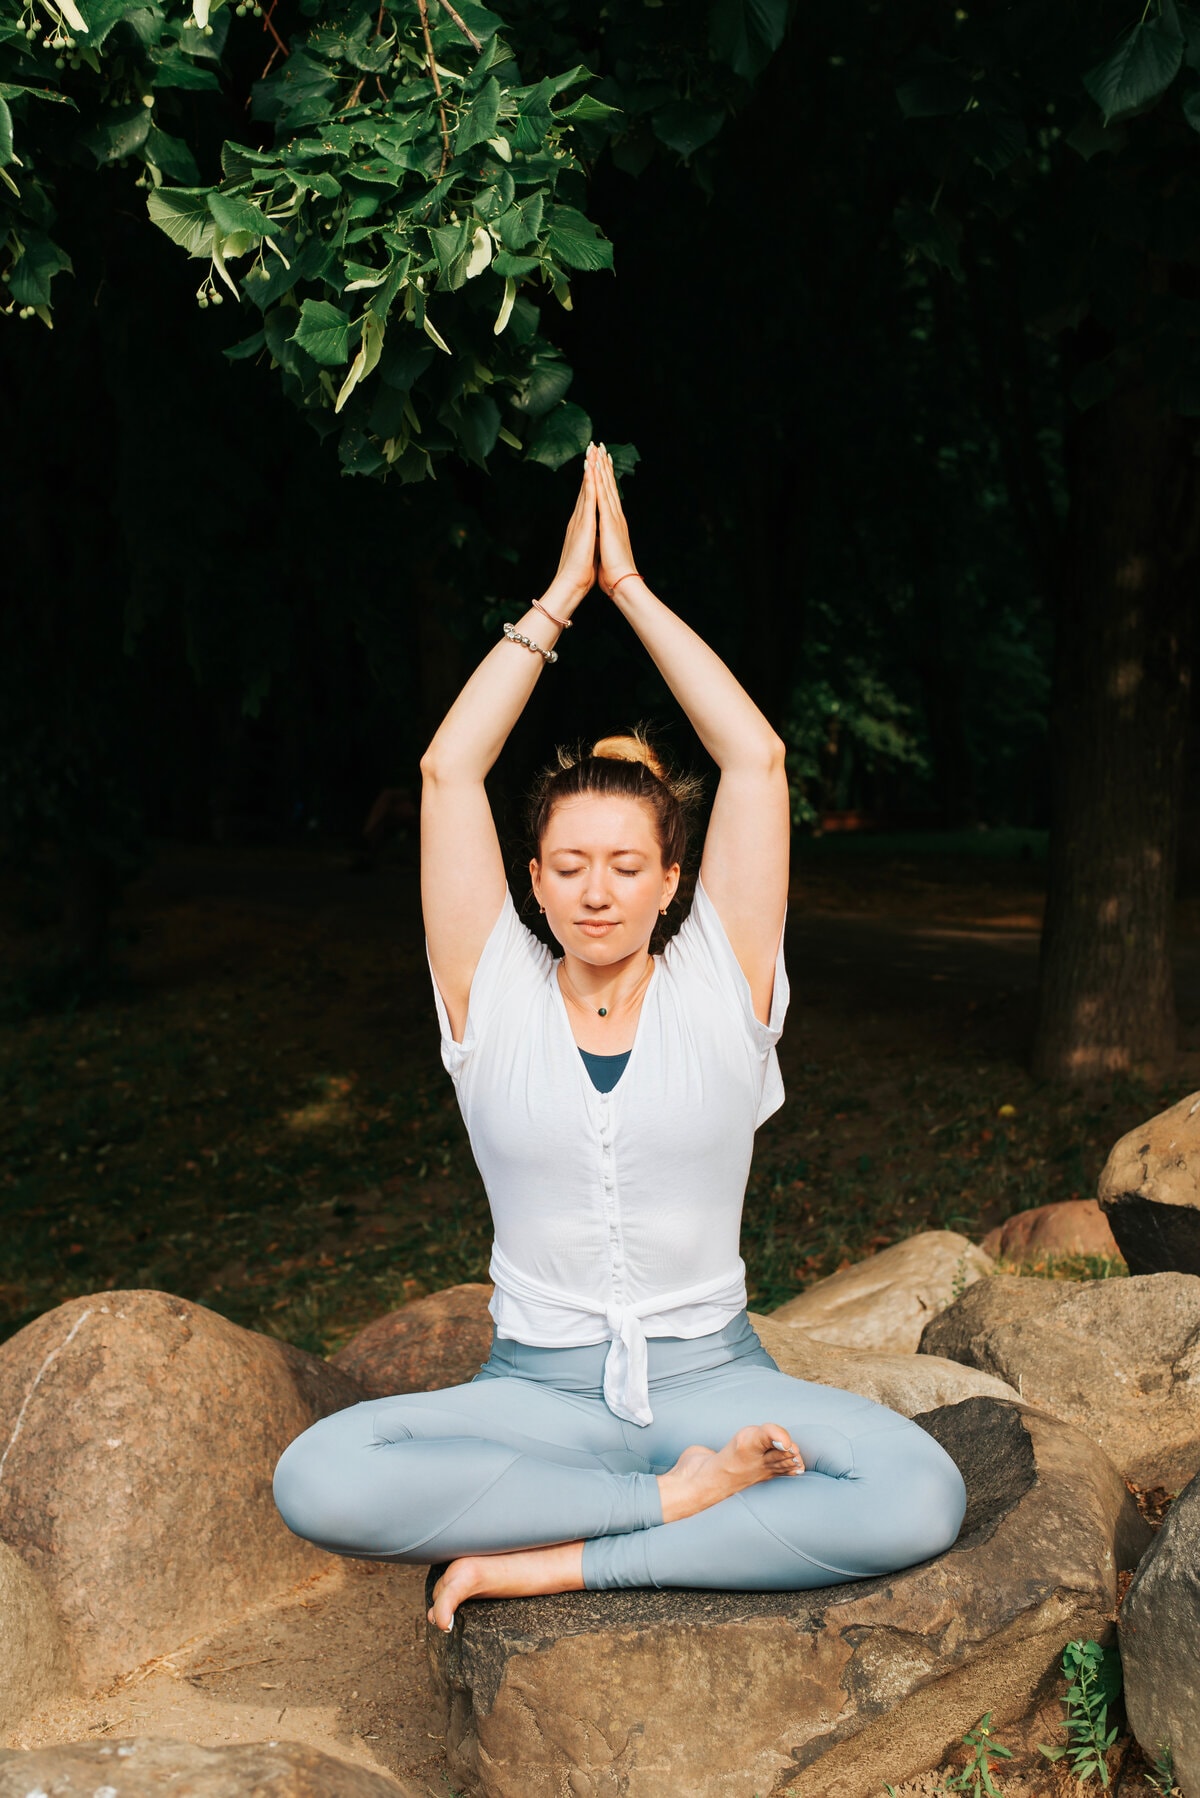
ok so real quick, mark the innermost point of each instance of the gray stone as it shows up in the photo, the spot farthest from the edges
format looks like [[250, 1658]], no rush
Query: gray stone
[[822, 1694], [442, 1340], [138, 1436], [885, 1301], [1159, 1627], [149, 1766], [1150, 1192], [34, 1663], [1119, 1358], [909, 1384]]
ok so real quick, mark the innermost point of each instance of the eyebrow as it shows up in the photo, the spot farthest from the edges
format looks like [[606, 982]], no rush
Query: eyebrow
[[613, 852]]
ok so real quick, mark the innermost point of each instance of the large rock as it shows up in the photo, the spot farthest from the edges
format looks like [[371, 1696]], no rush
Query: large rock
[[1150, 1192], [34, 1664], [885, 1301], [142, 1432], [150, 1766], [824, 1694], [909, 1384], [439, 1341], [1159, 1624], [1070, 1227], [1119, 1358]]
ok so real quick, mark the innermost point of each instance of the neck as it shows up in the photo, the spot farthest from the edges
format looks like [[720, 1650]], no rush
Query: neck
[[613, 987]]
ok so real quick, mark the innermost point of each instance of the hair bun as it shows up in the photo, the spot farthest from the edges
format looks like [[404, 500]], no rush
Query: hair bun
[[631, 749]]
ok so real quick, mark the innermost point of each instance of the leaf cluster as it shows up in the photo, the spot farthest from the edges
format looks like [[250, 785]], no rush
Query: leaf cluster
[[418, 200]]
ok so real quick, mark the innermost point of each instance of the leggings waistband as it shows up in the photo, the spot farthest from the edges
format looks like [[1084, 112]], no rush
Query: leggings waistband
[[581, 1369]]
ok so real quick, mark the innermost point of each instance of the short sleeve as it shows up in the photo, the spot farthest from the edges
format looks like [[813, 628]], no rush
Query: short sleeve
[[701, 944], [511, 960]]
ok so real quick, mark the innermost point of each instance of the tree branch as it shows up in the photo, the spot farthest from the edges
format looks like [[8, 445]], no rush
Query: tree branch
[[423, 8], [462, 25]]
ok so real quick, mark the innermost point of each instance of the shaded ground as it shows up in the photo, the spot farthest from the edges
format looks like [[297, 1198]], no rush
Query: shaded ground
[[259, 1120]]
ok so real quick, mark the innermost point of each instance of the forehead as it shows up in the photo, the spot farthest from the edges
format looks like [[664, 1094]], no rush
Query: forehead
[[596, 822]]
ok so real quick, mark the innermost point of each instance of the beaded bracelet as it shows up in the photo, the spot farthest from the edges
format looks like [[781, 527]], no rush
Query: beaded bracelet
[[515, 636]]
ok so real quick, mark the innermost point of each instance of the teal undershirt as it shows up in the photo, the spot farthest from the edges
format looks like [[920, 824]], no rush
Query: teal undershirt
[[605, 1070]]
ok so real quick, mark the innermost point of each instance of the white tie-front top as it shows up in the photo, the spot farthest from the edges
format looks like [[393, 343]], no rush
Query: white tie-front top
[[617, 1215]]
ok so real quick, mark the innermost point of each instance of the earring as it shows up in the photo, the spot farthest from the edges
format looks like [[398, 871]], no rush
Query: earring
[[542, 909], [662, 911]]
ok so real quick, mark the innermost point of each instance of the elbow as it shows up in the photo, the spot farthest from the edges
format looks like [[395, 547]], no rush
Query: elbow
[[776, 754], [432, 767]]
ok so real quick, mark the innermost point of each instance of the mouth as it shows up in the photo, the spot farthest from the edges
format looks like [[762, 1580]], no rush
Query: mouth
[[595, 927]]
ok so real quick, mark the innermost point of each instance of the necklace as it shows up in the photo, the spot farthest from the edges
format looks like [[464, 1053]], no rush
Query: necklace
[[600, 1010]]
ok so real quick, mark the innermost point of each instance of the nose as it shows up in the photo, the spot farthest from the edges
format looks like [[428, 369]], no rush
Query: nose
[[596, 896]]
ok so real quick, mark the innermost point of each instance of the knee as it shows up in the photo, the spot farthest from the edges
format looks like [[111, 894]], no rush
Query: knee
[[931, 1507], [315, 1491]]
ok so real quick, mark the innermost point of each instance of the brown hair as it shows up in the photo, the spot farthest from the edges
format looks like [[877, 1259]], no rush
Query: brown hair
[[621, 767]]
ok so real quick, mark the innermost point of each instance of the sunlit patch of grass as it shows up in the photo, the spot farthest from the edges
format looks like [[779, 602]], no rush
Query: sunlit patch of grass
[[1066, 1267]]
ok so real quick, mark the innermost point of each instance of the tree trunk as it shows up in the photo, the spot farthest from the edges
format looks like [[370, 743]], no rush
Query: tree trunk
[[1118, 731]]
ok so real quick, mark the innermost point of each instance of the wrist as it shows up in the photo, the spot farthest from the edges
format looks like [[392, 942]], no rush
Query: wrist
[[563, 596]]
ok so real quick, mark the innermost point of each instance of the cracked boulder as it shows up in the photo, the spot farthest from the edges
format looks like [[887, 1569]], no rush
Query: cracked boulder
[[885, 1301], [138, 1435], [819, 1694], [1150, 1192], [147, 1766], [1118, 1358]]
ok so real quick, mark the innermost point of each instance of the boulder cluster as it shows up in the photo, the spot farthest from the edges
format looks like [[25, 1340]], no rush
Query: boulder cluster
[[139, 1432]]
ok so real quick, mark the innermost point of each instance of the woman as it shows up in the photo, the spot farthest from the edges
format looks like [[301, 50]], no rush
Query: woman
[[628, 1428]]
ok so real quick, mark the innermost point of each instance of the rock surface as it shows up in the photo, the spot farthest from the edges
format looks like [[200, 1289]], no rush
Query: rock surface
[[1071, 1227], [1119, 1358], [34, 1664], [909, 1384], [885, 1301], [1159, 1627], [439, 1341], [149, 1766], [824, 1694], [138, 1436], [1150, 1192]]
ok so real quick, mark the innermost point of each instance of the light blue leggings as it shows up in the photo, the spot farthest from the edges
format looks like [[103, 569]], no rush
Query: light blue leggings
[[528, 1453]]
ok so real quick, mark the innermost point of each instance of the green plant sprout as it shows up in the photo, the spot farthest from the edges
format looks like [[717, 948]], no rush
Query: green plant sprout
[[976, 1776], [1162, 1776], [1093, 1676]]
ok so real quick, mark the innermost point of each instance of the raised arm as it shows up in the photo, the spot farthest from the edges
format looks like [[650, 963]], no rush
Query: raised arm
[[462, 869], [745, 864]]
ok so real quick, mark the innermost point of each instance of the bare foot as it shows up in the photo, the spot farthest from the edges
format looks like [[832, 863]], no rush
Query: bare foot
[[516, 1575], [703, 1476]]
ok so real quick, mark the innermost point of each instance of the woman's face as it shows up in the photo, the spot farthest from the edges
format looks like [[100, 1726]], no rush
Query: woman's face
[[601, 878]]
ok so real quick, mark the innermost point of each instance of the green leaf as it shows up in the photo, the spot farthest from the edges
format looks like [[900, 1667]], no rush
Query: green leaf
[[483, 23], [13, 90], [521, 224], [1051, 1754], [746, 33], [480, 122], [546, 380], [514, 268], [686, 125], [369, 350], [123, 134], [575, 241], [172, 156], [182, 212], [324, 331], [249, 346], [101, 16], [993, 139], [234, 213], [405, 360], [563, 433], [1142, 67], [929, 233], [478, 426], [35, 268], [176, 70], [587, 110], [6, 134], [1191, 107], [935, 89]]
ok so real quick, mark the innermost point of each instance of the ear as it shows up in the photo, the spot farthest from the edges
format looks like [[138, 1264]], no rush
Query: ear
[[535, 878], [670, 883]]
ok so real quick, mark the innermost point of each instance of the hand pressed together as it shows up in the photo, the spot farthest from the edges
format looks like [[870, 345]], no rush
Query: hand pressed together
[[596, 546]]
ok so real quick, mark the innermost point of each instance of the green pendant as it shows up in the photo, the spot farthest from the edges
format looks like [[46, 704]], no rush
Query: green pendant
[[603, 1011]]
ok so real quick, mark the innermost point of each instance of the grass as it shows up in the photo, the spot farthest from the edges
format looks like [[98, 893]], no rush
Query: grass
[[254, 1115]]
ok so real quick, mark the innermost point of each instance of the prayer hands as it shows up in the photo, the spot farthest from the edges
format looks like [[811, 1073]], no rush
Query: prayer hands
[[596, 545]]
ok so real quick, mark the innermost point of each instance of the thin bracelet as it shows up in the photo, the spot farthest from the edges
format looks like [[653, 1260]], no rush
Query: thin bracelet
[[514, 636], [563, 624], [619, 579]]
